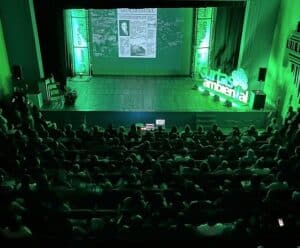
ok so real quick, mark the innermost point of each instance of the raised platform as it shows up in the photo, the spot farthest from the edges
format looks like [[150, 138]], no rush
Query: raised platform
[[125, 100]]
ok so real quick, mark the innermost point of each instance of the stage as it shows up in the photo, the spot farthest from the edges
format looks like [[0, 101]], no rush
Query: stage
[[123, 100]]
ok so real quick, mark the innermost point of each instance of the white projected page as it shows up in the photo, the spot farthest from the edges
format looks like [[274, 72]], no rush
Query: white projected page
[[137, 33]]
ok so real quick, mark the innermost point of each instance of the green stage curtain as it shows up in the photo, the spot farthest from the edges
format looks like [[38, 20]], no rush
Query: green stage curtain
[[226, 43]]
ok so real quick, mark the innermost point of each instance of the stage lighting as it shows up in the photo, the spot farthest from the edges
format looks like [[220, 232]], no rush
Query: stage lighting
[[228, 103], [222, 99], [195, 87], [235, 105], [205, 93], [216, 98], [201, 89]]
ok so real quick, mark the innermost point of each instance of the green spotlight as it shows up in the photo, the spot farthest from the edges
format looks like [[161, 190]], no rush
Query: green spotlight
[[228, 104], [201, 89], [235, 105], [216, 98], [222, 99], [205, 93]]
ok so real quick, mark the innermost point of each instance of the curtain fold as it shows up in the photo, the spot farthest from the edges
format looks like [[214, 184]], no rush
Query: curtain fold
[[226, 43]]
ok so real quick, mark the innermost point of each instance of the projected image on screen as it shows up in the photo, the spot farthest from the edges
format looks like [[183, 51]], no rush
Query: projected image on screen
[[137, 33], [141, 41], [123, 28]]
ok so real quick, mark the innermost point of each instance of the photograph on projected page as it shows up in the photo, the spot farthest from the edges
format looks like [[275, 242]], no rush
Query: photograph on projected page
[[137, 33]]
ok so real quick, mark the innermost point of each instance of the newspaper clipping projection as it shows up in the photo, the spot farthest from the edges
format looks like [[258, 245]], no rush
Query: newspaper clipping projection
[[137, 33]]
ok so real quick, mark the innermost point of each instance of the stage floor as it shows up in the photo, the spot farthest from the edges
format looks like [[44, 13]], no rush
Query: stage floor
[[146, 94]]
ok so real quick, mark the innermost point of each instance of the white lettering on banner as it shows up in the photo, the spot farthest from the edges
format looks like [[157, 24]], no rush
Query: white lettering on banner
[[234, 86], [233, 93]]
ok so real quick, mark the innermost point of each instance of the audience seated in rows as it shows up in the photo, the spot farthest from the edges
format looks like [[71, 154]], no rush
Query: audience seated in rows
[[110, 183]]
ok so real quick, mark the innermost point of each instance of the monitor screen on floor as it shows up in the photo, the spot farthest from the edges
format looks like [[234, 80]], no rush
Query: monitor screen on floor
[[160, 122]]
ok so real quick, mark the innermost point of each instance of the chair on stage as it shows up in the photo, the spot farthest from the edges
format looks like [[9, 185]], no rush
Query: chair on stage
[[52, 94]]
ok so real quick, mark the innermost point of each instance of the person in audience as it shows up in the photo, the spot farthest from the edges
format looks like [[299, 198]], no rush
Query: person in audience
[[3, 122], [249, 159], [249, 137], [5, 182], [158, 202], [187, 134], [293, 138], [215, 133], [181, 230], [213, 228], [234, 136], [185, 178], [295, 161], [133, 133], [110, 132], [266, 134], [271, 145], [278, 184], [274, 124], [254, 185], [178, 204], [183, 156], [121, 135], [160, 134], [68, 130], [282, 154], [96, 133], [173, 134], [199, 134], [135, 203], [289, 116], [204, 167], [54, 131], [83, 133], [223, 167], [104, 182], [16, 229], [26, 186]]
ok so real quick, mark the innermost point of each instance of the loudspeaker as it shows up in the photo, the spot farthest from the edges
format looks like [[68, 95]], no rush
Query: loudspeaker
[[262, 74], [17, 72], [259, 100]]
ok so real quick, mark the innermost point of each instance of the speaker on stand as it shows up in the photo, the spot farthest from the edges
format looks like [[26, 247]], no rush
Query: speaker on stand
[[18, 80], [258, 96], [17, 72], [259, 99], [262, 77]]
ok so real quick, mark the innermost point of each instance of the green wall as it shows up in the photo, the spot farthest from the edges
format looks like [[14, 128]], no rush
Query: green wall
[[5, 74], [279, 82]]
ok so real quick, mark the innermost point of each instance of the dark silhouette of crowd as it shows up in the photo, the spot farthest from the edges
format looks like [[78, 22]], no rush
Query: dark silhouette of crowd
[[118, 184]]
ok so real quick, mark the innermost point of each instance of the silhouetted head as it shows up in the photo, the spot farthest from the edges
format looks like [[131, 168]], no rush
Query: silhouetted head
[[133, 127], [187, 129], [174, 129], [297, 151], [15, 222]]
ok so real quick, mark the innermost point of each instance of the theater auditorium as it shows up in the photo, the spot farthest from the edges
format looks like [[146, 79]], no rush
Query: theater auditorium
[[135, 121]]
